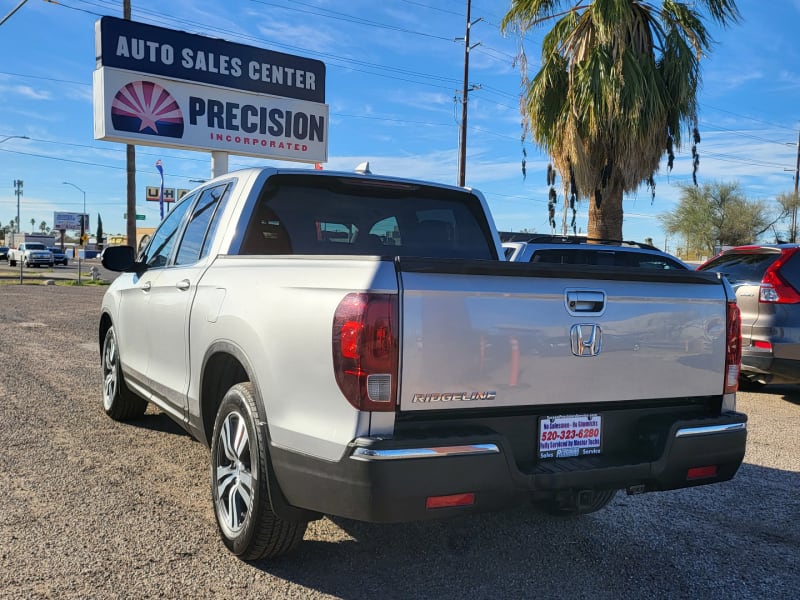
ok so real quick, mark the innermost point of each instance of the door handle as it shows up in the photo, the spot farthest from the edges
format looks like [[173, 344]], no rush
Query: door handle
[[183, 284], [585, 301], [146, 286]]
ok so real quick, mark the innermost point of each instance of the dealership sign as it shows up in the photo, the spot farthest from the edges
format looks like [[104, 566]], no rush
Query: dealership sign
[[161, 87], [161, 112]]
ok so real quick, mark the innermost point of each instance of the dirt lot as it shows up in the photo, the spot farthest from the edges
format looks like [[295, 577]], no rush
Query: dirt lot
[[96, 509]]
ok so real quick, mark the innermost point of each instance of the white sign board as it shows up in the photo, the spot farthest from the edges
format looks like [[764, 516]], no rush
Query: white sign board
[[141, 109], [70, 221]]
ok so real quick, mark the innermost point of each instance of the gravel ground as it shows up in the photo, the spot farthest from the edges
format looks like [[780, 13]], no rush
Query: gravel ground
[[92, 508]]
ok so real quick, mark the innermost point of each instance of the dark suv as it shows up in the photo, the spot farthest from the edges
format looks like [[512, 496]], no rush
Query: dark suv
[[579, 250], [767, 283], [59, 257]]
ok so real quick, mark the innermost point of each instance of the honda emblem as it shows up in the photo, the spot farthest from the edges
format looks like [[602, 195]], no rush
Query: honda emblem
[[585, 339]]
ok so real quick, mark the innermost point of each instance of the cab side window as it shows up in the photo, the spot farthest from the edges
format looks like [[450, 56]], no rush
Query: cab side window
[[163, 241], [202, 225]]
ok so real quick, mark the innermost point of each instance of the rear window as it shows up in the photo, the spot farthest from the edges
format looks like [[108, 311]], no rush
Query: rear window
[[343, 216], [742, 268]]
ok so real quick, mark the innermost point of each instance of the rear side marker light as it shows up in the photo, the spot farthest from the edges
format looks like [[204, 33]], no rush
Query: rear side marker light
[[762, 345], [451, 500], [701, 472]]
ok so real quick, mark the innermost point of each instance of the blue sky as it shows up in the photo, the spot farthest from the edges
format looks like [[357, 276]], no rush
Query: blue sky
[[394, 80]]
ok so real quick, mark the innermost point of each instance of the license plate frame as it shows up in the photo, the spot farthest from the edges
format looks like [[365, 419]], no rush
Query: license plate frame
[[570, 436]]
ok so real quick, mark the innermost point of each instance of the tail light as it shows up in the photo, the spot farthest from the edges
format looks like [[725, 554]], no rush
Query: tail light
[[733, 348], [365, 350], [774, 288]]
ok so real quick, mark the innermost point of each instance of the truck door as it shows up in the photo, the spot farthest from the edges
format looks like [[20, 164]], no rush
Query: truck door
[[171, 302]]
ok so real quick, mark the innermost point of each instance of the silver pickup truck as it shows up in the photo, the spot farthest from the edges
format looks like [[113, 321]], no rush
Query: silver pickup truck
[[356, 345]]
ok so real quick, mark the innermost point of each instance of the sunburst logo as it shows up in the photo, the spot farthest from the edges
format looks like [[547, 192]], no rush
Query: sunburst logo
[[146, 107]]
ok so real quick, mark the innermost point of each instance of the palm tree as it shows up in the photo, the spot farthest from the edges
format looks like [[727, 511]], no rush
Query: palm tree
[[43, 227], [617, 87], [33, 223]]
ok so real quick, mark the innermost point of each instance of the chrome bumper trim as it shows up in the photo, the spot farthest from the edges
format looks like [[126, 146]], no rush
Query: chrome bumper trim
[[710, 429], [436, 452]]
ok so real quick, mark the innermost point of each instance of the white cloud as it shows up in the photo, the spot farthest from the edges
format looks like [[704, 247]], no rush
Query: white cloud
[[28, 92]]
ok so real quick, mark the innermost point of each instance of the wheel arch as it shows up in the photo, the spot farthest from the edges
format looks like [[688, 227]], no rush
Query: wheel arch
[[105, 325], [225, 365]]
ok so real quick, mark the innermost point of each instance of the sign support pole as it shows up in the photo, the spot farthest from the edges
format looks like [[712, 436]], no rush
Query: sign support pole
[[219, 163]]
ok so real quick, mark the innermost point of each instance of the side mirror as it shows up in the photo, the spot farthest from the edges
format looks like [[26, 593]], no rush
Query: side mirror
[[121, 259]]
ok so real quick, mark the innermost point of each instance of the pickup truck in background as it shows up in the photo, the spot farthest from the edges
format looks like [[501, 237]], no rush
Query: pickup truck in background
[[31, 254], [355, 345]]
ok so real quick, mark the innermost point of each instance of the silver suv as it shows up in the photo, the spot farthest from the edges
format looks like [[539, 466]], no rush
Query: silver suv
[[767, 283]]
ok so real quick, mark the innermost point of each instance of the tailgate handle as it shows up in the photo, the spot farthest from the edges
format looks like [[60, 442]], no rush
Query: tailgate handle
[[585, 301]]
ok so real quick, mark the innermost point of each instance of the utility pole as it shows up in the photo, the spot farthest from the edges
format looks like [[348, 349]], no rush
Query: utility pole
[[130, 164], [793, 232], [462, 162], [18, 192]]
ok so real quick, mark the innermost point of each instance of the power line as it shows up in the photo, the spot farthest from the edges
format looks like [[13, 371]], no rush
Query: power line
[[747, 135], [750, 118]]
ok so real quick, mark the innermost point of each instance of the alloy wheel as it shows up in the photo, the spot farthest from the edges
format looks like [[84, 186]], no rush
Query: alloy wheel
[[234, 478]]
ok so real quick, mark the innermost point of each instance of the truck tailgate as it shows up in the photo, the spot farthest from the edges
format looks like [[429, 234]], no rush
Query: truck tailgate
[[486, 334]]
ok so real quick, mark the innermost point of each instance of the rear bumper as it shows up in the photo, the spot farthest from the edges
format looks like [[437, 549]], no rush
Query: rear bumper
[[765, 367], [383, 480]]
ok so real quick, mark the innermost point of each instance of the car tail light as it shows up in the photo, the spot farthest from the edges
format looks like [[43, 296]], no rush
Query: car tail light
[[365, 350], [774, 288], [733, 348]]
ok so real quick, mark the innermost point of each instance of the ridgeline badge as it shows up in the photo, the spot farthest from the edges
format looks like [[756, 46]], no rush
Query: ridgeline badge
[[427, 398]]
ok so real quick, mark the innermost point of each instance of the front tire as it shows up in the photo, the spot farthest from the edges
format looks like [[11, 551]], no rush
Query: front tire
[[240, 492], [119, 402]]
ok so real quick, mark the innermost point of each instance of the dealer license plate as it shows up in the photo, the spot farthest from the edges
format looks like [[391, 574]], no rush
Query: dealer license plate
[[569, 435]]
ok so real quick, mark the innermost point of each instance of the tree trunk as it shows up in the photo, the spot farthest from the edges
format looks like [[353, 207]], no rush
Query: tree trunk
[[605, 221]]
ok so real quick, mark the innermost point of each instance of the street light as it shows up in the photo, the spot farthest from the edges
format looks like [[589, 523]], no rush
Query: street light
[[83, 225], [11, 137]]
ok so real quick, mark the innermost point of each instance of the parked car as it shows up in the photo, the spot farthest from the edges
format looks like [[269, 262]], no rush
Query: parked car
[[59, 257], [766, 279], [3, 252], [579, 250]]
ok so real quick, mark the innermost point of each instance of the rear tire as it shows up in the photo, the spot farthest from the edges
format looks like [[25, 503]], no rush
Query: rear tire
[[12, 263], [240, 492], [119, 402], [568, 507]]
